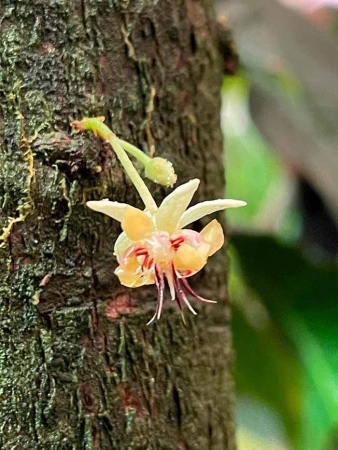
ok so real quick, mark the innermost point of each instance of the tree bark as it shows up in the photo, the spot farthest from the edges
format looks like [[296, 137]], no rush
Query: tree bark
[[79, 367]]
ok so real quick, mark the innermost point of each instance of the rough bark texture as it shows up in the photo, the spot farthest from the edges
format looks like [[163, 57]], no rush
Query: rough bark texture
[[79, 369]]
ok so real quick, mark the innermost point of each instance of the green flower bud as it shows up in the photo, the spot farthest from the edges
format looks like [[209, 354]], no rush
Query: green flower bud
[[161, 171]]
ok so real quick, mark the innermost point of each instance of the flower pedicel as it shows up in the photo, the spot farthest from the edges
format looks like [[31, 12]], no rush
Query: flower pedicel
[[154, 245]]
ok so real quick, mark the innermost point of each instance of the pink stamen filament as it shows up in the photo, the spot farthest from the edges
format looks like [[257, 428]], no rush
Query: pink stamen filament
[[159, 279], [176, 285], [193, 293], [180, 293]]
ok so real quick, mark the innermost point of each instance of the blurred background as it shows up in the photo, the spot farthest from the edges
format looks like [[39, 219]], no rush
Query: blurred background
[[280, 122]]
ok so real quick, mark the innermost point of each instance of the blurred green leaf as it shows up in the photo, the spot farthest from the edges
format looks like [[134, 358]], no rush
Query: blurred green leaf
[[282, 275], [315, 337], [301, 299], [254, 168], [266, 365], [266, 369], [256, 174], [259, 426]]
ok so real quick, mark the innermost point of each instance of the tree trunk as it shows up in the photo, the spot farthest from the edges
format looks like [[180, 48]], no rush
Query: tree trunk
[[79, 367]]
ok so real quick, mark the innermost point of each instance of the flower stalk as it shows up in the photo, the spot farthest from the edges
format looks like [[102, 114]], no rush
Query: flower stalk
[[96, 125], [157, 169]]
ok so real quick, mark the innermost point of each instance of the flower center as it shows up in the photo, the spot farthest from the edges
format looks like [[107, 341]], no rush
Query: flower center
[[159, 247], [187, 250]]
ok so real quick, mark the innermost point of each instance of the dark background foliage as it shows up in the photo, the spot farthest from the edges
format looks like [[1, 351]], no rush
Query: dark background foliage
[[282, 133]]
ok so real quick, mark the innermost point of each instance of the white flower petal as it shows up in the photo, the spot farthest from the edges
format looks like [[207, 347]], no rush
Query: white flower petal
[[174, 205], [115, 210], [121, 245], [203, 209]]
